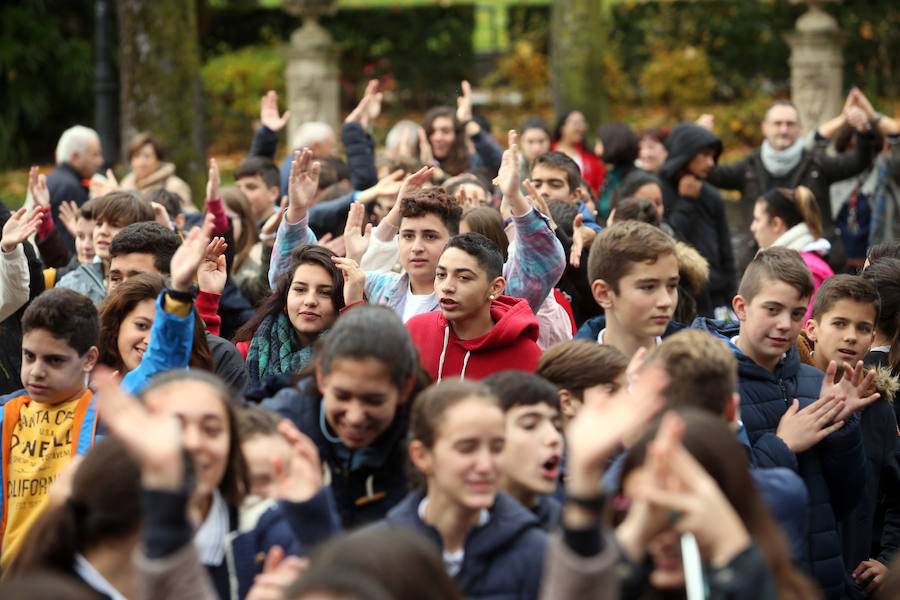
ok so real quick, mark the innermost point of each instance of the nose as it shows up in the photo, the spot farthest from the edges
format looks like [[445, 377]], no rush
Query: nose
[[190, 438], [355, 415], [664, 298], [484, 460], [310, 299], [553, 436]]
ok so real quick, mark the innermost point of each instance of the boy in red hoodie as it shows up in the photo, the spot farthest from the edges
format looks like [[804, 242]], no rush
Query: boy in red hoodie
[[476, 332]]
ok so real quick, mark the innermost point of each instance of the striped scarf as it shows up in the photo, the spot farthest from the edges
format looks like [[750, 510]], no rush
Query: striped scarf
[[275, 349]]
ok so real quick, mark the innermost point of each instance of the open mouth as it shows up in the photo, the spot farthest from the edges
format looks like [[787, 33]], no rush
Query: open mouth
[[847, 353], [550, 468], [448, 303]]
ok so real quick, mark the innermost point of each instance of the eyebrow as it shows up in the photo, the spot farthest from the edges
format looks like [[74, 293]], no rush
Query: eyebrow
[[46, 356], [325, 285], [408, 230], [460, 270]]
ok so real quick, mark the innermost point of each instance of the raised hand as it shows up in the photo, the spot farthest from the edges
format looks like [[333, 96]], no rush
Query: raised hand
[[68, 215], [271, 225], [214, 181], [538, 202], [212, 273], [411, 184], [354, 279], [369, 106], [268, 112], [154, 441], [582, 237], [278, 574], [852, 388], [509, 179], [37, 185], [426, 155], [100, 186], [161, 215], [190, 254], [857, 119], [800, 430], [706, 121], [19, 227], [301, 479], [302, 185], [357, 233], [858, 99], [388, 185]]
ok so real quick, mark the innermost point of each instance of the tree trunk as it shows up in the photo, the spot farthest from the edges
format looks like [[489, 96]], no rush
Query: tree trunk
[[159, 74], [578, 34]]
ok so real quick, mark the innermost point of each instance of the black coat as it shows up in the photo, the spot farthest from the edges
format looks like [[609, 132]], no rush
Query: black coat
[[64, 185]]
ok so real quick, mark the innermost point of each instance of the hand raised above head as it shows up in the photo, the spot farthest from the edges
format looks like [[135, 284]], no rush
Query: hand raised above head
[[268, 112], [302, 185], [189, 255]]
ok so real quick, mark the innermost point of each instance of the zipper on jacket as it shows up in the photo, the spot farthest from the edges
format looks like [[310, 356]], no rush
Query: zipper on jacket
[[783, 391]]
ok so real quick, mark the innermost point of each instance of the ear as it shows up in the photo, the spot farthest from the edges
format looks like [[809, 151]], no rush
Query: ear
[[739, 305], [420, 457], [497, 286], [404, 393], [275, 193], [778, 224], [610, 219], [568, 404], [90, 359], [576, 195], [733, 408], [811, 330], [602, 293]]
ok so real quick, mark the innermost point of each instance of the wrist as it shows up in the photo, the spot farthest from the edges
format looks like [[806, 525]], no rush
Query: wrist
[[6, 248], [294, 216], [181, 292]]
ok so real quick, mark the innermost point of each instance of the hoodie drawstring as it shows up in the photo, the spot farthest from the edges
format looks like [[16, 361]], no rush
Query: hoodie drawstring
[[444, 355]]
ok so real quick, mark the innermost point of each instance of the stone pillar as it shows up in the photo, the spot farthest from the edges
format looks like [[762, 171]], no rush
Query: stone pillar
[[313, 90], [816, 65]]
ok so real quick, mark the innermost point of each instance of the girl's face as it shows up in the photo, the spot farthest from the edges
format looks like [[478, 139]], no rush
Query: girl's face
[[360, 399], [466, 461], [651, 154], [533, 143], [651, 192], [237, 224], [204, 426], [144, 162], [573, 130], [764, 228], [664, 549], [310, 306], [134, 333], [442, 137]]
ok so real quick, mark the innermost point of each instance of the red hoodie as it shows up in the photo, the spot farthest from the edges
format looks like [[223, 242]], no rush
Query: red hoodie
[[509, 345]]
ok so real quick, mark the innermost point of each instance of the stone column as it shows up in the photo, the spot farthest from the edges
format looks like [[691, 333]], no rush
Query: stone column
[[313, 90], [816, 65]]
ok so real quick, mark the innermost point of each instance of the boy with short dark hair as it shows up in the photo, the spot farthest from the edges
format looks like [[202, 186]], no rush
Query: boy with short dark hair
[[792, 417], [633, 272], [112, 212], [477, 331], [532, 453], [258, 178], [557, 177], [842, 328], [54, 418], [263, 445]]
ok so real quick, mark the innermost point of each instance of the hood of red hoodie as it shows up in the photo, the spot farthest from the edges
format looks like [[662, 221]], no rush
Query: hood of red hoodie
[[512, 319]]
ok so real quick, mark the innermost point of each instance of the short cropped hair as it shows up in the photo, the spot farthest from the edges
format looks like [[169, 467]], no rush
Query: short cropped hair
[[141, 140], [559, 160], [171, 201], [781, 103], [576, 365], [74, 139], [254, 420], [312, 132], [64, 314], [778, 263], [845, 287], [888, 249], [702, 370], [884, 274], [259, 165], [86, 210], [521, 388], [435, 201], [636, 209], [122, 208], [618, 247], [483, 250], [148, 237]]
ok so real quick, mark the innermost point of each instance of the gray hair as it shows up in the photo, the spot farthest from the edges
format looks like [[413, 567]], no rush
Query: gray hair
[[313, 132], [400, 131], [74, 139]]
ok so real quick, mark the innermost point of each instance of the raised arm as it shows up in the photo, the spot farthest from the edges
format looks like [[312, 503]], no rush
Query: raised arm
[[294, 227], [359, 145], [265, 139], [14, 276]]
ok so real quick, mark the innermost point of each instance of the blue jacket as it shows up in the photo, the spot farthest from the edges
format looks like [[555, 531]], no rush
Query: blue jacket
[[834, 470], [591, 328], [503, 558], [367, 482]]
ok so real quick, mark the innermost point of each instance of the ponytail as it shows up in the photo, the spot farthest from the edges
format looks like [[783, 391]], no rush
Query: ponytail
[[809, 211]]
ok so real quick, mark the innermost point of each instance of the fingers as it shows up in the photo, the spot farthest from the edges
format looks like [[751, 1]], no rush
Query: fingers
[[513, 142], [276, 553], [635, 364]]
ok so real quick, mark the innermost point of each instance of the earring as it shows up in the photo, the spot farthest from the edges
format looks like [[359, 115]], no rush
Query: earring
[[491, 296]]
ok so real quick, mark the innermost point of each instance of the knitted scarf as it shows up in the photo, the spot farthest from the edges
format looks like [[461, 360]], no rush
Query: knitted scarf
[[781, 162], [275, 349]]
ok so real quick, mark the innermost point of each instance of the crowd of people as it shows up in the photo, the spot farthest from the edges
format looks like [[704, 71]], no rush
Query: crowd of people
[[443, 368]]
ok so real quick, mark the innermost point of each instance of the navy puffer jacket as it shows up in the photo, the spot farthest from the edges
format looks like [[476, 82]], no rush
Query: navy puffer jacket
[[833, 470]]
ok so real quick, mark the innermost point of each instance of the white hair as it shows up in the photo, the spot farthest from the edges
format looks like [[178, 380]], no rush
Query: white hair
[[401, 131], [313, 132], [74, 139]]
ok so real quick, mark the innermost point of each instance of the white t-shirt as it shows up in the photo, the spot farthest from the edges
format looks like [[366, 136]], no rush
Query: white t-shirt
[[417, 304], [602, 331]]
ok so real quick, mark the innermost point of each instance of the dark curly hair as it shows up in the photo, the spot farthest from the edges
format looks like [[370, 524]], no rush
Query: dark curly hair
[[435, 201]]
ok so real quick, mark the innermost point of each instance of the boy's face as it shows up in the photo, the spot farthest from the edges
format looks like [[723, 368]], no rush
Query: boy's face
[[534, 142], [262, 199], [84, 240], [646, 299], [420, 242], [843, 334], [52, 371], [702, 163], [533, 450], [771, 322], [104, 232], [259, 450], [125, 266], [553, 184], [462, 287]]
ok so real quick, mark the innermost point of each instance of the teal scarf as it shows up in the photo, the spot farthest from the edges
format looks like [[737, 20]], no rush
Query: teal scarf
[[275, 349]]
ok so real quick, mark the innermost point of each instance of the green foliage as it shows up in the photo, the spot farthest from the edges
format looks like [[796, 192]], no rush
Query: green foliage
[[232, 86], [46, 75], [677, 78]]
